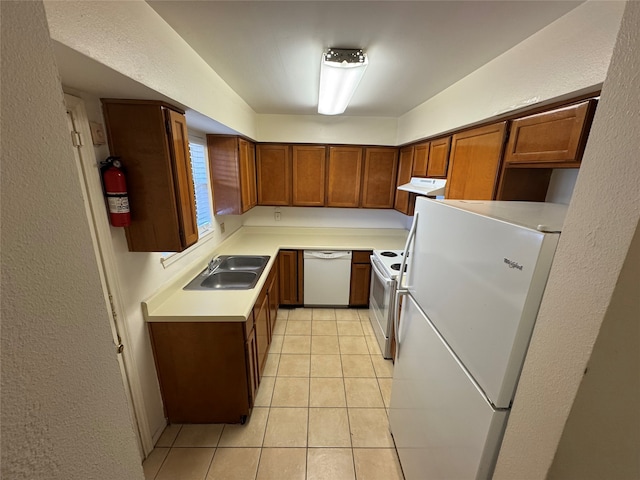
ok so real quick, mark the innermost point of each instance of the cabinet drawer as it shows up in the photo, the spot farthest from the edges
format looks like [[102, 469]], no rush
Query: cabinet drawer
[[361, 256]]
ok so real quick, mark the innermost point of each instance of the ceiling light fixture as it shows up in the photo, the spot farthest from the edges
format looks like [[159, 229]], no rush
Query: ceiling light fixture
[[340, 73]]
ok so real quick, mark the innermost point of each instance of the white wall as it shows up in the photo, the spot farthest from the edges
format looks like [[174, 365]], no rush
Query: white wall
[[64, 409], [569, 55], [327, 129], [581, 302], [602, 435], [561, 185], [131, 38], [325, 217]]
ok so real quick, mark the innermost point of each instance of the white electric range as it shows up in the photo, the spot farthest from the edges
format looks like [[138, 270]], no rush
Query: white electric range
[[385, 268]]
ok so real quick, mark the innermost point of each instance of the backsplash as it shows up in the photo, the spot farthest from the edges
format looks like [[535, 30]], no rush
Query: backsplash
[[324, 217]]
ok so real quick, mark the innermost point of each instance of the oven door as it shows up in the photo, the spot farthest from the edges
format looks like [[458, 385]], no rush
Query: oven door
[[381, 306]]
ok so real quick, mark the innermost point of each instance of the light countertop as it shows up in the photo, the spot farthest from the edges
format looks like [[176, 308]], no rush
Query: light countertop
[[173, 304]]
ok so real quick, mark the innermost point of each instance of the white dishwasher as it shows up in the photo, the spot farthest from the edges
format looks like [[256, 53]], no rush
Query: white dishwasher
[[327, 278]]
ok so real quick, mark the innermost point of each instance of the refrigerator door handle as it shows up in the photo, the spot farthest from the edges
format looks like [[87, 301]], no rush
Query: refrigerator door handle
[[405, 255], [396, 319], [401, 290]]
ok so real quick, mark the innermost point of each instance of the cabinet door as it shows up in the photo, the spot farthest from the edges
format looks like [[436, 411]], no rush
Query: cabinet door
[[379, 179], [247, 174], [404, 176], [550, 137], [158, 182], [344, 176], [360, 278], [273, 292], [439, 157], [420, 160], [224, 171], [309, 178], [183, 176], [475, 163], [360, 284], [261, 315], [194, 387], [253, 372], [290, 271], [274, 174]]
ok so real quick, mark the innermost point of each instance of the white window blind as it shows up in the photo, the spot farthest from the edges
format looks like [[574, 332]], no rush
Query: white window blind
[[201, 186]]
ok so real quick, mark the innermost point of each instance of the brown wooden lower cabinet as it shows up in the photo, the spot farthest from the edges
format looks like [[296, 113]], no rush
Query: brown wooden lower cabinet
[[290, 264], [360, 278], [206, 370], [261, 315], [253, 372], [209, 372], [273, 294]]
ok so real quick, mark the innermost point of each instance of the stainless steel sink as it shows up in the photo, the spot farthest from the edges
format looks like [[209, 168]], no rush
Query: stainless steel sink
[[242, 262], [230, 280], [230, 272]]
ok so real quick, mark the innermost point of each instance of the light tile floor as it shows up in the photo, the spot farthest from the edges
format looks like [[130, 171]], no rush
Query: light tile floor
[[321, 412]]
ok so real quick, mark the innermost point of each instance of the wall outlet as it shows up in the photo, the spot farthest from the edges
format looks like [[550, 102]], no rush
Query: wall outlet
[[222, 227], [277, 214]]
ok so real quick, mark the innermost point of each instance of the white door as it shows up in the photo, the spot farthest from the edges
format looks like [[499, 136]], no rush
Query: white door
[[480, 281], [442, 425], [96, 213]]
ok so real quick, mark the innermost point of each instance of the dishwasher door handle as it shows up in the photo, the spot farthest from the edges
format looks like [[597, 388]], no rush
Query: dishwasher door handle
[[326, 255]]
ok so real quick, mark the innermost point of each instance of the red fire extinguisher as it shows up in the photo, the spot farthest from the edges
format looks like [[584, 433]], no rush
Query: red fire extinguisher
[[115, 189]]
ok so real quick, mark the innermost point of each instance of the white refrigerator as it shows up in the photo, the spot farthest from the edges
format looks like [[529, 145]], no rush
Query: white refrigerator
[[475, 278]]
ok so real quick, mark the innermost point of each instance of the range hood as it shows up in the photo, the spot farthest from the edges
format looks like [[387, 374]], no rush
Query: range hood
[[431, 187]]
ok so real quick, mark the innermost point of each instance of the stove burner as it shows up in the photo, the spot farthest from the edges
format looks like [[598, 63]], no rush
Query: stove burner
[[396, 266], [390, 254]]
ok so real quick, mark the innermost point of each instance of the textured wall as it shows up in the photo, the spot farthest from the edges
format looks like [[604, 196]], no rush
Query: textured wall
[[327, 129], [64, 411], [131, 38], [602, 435], [581, 295], [568, 55]]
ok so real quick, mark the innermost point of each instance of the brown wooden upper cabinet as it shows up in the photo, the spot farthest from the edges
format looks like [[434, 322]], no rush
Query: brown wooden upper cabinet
[[344, 176], [233, 174], [248, 187], [309, 178], [438, 157], [151, 140], [474, 163], [379, 179], [556, 136], [405, 165], [420, 160], [273, 164]]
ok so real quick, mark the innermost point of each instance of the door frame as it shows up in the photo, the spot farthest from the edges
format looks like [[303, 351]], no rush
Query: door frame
[[91, 185]]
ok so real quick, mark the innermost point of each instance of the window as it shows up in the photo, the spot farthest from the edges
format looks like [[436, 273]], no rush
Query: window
[[200, 172]]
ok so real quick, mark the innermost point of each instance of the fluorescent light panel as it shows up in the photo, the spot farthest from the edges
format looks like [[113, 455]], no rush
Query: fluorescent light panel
[[340, 73]]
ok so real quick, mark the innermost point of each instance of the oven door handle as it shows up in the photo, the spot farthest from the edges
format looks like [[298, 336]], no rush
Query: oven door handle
[[379, 273]]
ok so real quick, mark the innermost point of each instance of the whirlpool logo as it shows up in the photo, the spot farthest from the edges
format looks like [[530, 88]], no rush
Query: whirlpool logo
[[513, 264]]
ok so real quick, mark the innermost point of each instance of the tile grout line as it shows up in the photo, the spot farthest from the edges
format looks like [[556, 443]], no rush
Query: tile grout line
[[167, 455]]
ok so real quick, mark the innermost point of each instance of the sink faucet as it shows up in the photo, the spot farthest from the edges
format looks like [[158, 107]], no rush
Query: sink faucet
[[213, 264]]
